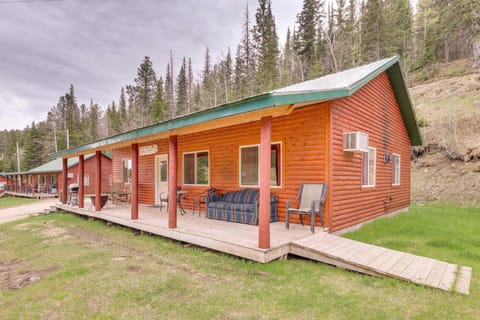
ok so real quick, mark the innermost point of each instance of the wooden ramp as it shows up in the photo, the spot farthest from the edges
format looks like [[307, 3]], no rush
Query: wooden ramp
[[378, 261]]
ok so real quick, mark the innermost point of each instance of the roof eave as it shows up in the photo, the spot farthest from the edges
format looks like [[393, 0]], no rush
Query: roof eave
[[250, 104], [405, 104]]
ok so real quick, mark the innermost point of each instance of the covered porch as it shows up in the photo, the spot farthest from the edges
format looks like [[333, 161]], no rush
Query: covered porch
[[231, 238]]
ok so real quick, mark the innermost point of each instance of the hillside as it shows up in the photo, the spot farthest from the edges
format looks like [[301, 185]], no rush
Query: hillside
[[447, 168]]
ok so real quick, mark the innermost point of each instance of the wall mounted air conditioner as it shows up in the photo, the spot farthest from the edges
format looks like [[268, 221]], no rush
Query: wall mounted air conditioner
[[355, 142]]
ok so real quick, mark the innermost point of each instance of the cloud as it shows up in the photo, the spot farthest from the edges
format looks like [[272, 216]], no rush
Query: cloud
[[98, 45]]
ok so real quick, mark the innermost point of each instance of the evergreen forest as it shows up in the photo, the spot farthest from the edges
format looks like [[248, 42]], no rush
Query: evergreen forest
[[327, 37]]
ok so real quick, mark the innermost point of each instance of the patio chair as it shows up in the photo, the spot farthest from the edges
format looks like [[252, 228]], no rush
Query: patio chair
[[200, 199], [311, 199], [163, 196], [125, 194], [117, 188]]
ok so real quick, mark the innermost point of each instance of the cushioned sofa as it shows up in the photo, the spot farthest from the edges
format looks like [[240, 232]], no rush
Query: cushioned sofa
[[239, 206]]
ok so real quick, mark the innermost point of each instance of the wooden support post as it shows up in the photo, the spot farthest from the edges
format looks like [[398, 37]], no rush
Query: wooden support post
[[98, 181], [81, 181], [64, 179], [172, 182], [134, 186], [30, 183], [265, 163]]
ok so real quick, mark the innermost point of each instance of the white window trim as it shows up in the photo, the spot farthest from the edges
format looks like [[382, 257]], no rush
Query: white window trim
[[195, 168], [86, 180], [399, 169], [371, 185], [258, 178]]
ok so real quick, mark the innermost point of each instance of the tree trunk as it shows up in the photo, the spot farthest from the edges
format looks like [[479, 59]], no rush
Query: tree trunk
[[476, 54]]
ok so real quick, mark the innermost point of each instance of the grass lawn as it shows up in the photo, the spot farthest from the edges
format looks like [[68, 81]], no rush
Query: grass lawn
[[8, 202], [62, 267]]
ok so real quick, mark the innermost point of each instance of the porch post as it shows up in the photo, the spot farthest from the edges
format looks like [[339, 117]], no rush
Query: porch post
[[134, 186], [172, 182], [265, 162], [81, 180], [64, 179], [98, 180], [30, 183]]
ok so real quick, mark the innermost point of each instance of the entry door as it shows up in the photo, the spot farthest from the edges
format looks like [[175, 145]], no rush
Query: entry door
[[161, 176]]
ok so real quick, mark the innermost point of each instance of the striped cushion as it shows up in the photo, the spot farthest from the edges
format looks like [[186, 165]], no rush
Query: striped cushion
[[241, 196], [240, 206]]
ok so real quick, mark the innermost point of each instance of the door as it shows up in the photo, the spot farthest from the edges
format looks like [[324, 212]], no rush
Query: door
[[161, 176]]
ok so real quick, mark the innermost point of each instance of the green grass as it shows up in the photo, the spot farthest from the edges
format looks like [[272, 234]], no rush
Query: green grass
[[99, 272], [8, 202]]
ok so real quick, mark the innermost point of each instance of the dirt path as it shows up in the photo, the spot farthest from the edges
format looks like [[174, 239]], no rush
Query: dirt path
[[20, 212]]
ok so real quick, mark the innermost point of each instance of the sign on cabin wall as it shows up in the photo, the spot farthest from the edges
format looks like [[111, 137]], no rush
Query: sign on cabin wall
[[146, 150]]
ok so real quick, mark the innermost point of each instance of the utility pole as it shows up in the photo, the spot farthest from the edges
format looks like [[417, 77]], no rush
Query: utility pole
[[68, 140], [55, 138], [18, 158]]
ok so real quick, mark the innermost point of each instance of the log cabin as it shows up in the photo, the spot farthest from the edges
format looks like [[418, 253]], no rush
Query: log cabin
[[48, 177], [352, 130]]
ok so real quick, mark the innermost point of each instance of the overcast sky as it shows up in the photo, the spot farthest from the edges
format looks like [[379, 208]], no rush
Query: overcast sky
[[97, 45]]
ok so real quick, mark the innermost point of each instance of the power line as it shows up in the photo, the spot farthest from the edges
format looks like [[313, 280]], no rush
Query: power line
[[18, 1]]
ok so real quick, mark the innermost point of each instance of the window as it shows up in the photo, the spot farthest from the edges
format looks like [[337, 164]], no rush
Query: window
[[163, 171], [86, 180], [195, 168], [110, 179], [395, 169], [250, 165], [369, 167], [127, 171], [53, 179]]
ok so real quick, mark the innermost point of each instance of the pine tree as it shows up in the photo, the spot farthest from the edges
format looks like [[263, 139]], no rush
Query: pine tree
[[398, 29], [308, 43], [169, 88], [225, 75], [94, 113], [33, 149], [145, 87], [265, 43], [160, 109], [134, 120], [372, 24], [122, 109], [190, 85], [181, 89], [207, 80]]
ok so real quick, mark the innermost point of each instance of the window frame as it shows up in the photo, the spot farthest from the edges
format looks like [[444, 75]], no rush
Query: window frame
[[279, 168], [370, 184], [195, 153], [86, 180], [396, 173]]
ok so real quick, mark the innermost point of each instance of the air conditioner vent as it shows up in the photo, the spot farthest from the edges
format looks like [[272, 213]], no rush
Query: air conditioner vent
[[355, 142]]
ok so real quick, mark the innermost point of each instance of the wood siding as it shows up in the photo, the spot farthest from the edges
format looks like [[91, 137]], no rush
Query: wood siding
[[303, 136], [372, 110], [89, 170]]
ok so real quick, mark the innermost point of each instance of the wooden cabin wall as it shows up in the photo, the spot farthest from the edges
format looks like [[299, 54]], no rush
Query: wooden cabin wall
[[89, 170], [372, 110], [303, 136]]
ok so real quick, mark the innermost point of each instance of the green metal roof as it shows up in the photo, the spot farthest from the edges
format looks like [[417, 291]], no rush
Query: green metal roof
[[57, 165], [329, 87]]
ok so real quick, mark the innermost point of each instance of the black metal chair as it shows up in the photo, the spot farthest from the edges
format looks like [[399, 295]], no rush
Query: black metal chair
[[163, 196], [200, 200], [311, 200]]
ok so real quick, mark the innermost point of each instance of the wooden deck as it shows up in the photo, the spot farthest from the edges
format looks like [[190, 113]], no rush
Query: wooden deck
[[32, 195], [242, 240]]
